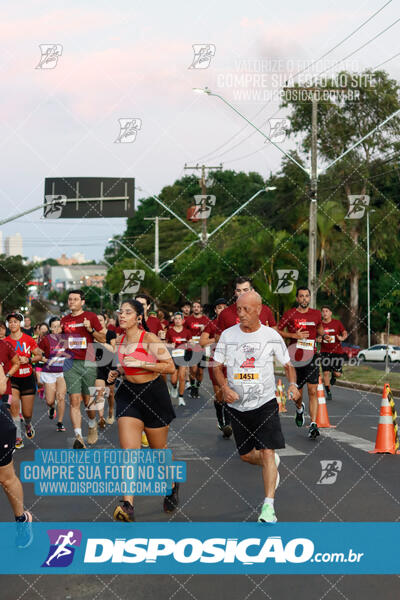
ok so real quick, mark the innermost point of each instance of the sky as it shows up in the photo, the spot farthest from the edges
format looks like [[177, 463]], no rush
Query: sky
[[135, 60]]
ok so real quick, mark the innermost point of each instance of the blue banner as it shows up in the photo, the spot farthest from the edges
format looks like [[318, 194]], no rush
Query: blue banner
[[200, 548]]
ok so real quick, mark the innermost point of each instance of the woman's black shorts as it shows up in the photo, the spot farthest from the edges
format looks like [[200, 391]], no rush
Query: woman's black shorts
[[259, 428], [25, 385], [7, 434], [150, 402]]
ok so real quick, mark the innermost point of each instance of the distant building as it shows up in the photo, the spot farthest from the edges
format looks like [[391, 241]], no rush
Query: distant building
[[74, 276], [13, 245], [77, 259]]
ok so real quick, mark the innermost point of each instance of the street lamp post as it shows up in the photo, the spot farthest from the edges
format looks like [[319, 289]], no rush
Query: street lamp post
[[368, 284]]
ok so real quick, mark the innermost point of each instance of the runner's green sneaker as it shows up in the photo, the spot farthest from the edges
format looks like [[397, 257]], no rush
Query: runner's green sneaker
[[299, 418], [267, 514]]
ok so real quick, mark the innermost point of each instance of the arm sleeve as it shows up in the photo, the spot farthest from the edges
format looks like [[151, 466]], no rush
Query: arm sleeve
[[280, 350], [284, 321], [44, 345], [271, 318], [95, 322], [10, 351]]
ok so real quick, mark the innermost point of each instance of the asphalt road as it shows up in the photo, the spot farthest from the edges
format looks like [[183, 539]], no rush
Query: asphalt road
[[220, 487]]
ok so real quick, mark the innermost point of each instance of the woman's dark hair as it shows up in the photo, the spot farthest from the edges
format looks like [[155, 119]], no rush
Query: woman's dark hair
[[3, 324], [54, 319], [45, 324], [139, 310]]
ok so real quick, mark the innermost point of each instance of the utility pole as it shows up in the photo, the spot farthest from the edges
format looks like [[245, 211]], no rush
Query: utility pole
[[156, 241], [204, 235], [315, 95]]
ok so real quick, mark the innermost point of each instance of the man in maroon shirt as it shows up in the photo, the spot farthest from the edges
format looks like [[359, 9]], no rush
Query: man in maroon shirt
[[302, 324], [81, 328], [196, 324], [154, 324], [229, 316], [331, 349]]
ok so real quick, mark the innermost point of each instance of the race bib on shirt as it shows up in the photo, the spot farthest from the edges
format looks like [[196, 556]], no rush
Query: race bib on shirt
[[196, 339], [77, 343], [178, 352], [25, 371], [305, 344], [246, 378]]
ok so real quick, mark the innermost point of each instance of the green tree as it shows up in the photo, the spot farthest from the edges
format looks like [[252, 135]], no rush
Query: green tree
[[14, 276]]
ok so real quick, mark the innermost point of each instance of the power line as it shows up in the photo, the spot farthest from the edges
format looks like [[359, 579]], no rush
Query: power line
[[386, 61], [212, 153], [343, 41]]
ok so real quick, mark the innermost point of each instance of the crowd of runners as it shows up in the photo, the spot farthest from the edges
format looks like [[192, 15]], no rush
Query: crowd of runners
[[138, 367]]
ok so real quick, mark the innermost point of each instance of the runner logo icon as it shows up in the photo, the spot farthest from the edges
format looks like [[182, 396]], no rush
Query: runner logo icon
[[62, 547]]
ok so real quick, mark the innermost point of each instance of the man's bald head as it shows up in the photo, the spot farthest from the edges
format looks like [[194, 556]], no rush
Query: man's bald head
[[249, 307], [251, 297]]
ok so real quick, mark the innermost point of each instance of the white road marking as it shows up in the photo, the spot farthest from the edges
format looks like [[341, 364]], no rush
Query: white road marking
[[346, 438]]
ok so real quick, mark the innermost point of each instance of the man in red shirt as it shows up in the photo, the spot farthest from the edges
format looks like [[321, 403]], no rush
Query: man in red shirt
[[229, 316], [302, 324], [177, 337], [81, 329], [331, 357], [207, 341], [154, 324], [196, 324]]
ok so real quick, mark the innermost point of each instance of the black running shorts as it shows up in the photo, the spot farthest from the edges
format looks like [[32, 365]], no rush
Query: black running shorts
[[8, 433], [331, 361], [308, 374], [149, 402], [25, 385], [259, 428]]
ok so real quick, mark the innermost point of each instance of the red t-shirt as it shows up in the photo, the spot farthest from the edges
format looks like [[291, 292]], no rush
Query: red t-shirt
[[229, 317], [294, 320], [154, 324], [7, 352], [23, 347], [80, 340], [196, 325], [178, 337], [333, 329]]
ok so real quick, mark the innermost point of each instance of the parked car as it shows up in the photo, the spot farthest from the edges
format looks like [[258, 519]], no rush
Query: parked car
[[350, 350], [378, 353]]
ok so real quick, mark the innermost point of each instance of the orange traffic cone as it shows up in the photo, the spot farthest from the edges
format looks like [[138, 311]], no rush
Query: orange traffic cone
[[282, 399], [279, 399], [386, 437], [322, 414]]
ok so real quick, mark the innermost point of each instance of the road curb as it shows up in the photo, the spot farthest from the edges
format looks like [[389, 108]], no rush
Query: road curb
[[365, 387]]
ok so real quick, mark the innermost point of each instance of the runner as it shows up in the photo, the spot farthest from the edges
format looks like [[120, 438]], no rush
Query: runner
[[230, 317], [248, 349], [207, 341], [105, 357], [154, 324], [196, 322], [143, 401], [23, 381], [186, 309], [57, 359], [82, 328], [9, 364], [331, 356], [27, 328], [302, 324], [178, 337], [3, 330], [43, 331]]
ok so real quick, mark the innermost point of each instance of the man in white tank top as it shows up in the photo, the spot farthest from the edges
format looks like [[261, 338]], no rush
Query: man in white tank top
[[248, 350]]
